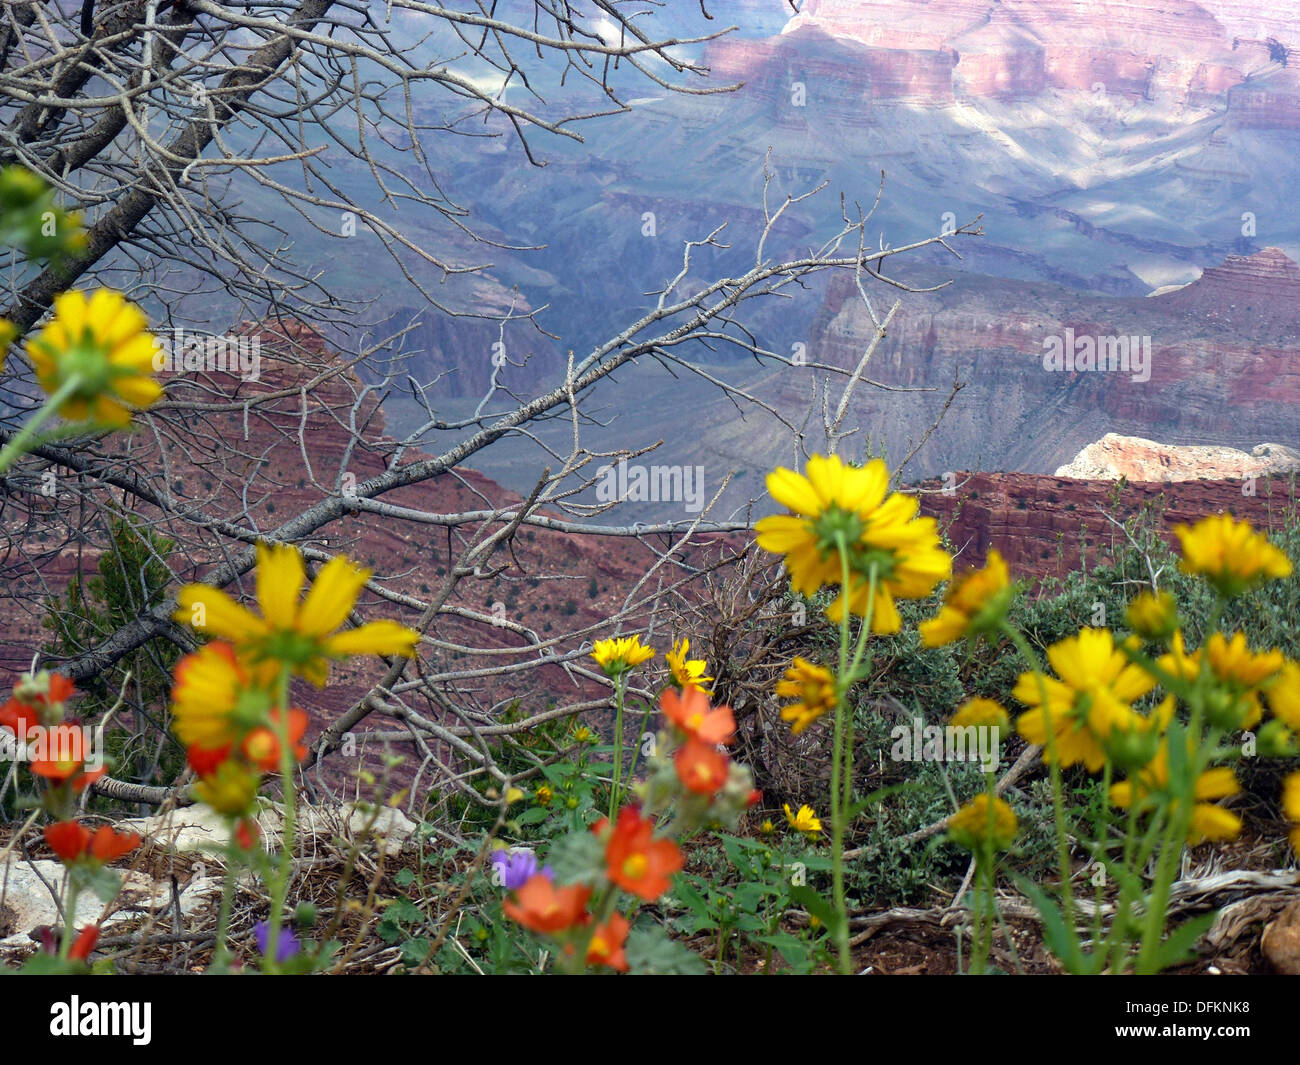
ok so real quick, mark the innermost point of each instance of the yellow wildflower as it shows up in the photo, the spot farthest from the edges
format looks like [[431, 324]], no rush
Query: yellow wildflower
[[981, 713], [980, 820], [1291, 807], [620, 654], [1153, 616], [97, 356], [836, 504], [687, 672], [805, 821], [293, 629], [973, 603], [1091, 699], [814, 688], [231, 790], [1230, 554]]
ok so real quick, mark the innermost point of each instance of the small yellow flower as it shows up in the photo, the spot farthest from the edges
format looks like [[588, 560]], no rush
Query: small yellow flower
[[7, 333], [1291, 807], [514, 794], [620, 654], [977, 821], [1091, 699], [544, 794], [293, 629], [814, 688], [836, 504], [582, 734], [1153, 616], [804, 821], [767, 828], [973, 603], [982, 713], [231, 790], [1240, 674], [1230, 554], [687, 672], [98, 355]]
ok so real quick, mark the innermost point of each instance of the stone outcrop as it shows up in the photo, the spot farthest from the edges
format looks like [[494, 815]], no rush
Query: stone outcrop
[[1135, 459]]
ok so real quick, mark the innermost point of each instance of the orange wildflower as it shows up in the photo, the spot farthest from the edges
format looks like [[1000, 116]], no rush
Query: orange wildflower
[[690, 711], [262, 745], [607, 943], [72, 842], [700, 767], [543, 907], [84, 943], [636, 862]]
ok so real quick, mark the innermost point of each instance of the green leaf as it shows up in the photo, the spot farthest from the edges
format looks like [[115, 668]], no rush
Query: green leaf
[[650, 950], [1181, 944], [578, 858], [1058, 937], [793, 951], [816, 906]]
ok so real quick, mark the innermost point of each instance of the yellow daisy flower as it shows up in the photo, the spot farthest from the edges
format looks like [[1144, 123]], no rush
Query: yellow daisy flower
[[1091, 699], [973, 603], [293, 629], [97, 355], [979, 820], [1240, 673], [804, 821], [1230, 554], [1153, 616], [687, 672], [835, 502], [1210, 822], [621, 653], [814, 688]]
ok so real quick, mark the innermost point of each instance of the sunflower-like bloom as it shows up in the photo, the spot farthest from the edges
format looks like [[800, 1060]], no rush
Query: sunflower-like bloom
[[980, 820], [1091, 700], [1238, 672], [216, 698], [98, 355], [974, 603], [687, 672], [1291, 807], [295, 630], [1153, 615], [1209, 822], [805, 821], [981, 713], [1230, 554], [835, 503], [813, 687], [620, 654]]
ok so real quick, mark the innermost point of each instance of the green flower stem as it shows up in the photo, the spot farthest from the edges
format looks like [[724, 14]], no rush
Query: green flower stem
[[280, 884], [1058, 792], [842, 764], [70, 891], [26, 436], [221, 952], [636, 751], [618, 746]]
